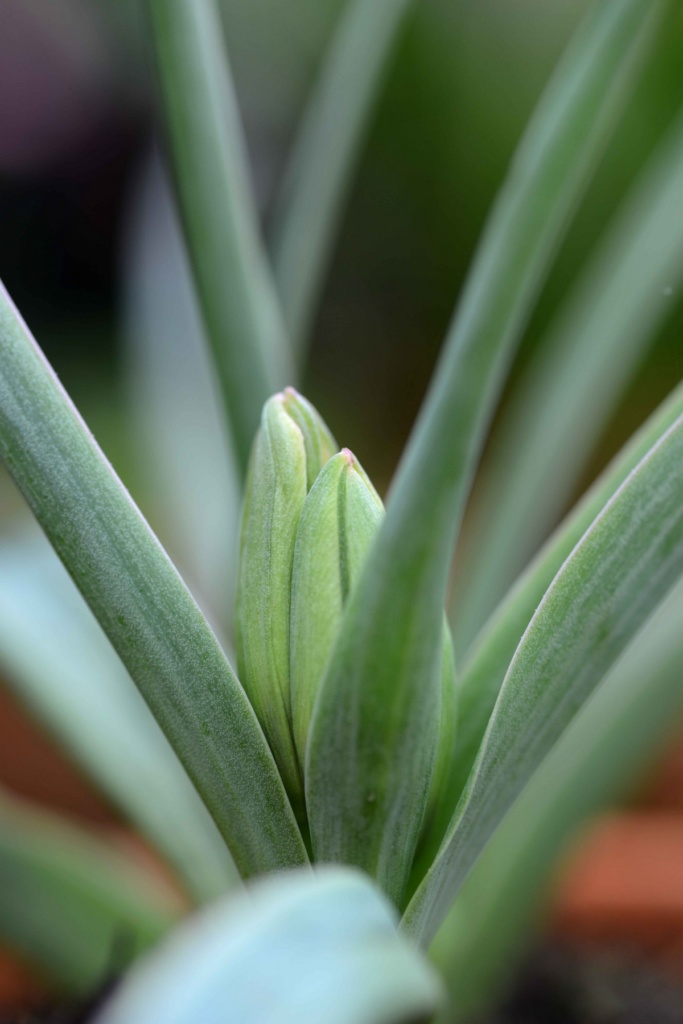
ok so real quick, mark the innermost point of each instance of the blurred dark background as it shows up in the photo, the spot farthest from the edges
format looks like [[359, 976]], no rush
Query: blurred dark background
[[76, 123]]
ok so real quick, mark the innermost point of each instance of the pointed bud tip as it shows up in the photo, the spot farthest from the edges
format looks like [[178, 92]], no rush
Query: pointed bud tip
[[349, 456]]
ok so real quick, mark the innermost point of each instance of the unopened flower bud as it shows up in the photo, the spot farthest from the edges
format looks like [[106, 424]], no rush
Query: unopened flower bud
[[289, 451], [339, 520]]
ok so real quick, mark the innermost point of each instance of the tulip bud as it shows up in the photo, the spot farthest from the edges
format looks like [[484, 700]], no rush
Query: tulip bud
[[290, 449], [339, 521]]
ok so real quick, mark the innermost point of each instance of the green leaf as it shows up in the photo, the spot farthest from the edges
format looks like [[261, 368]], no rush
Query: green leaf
[[320, 171], [143, 606], [373, 734], [484, 669], [236, 292], [601, 756], [60, 664], [186, 479], [299, 949], [70, 904], [614, 578], [570, 389]]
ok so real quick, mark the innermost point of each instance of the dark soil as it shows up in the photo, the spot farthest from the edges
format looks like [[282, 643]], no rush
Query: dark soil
[[566, 986], [72, 1013]]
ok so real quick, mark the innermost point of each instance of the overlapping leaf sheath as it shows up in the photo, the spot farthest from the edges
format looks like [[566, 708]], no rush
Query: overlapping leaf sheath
[[290, 449], [339, 520]]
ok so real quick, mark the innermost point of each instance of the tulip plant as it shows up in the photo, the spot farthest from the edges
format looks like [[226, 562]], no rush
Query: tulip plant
[[394, 809]]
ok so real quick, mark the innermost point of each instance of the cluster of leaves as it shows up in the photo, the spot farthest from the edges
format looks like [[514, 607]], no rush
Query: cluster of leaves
[[331, 747]]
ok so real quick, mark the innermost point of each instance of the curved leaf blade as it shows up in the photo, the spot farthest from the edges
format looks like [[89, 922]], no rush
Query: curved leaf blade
[[60, 664], [185, 471], [600, 757], [372, 739], [614, 578], [70, 904], [297, 950], [143, 606], [570, 389], [236, 292], [325, 152], [485, 668]]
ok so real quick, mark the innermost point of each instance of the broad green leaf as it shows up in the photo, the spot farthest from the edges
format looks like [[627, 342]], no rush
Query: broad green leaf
[[373, 733], [185, 479], [235, 290], [325, 153], [568, 393], [484, 669], [602, 754], [299, 949], [60, 664], [143, 606], [69, 903], [612, 581]]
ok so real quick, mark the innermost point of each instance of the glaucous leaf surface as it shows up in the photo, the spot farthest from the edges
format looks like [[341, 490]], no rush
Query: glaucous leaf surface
[[613, 580], [57, 660], [143, 606], [298, 949], [373, 736], [235, 288], [601, 755], [185, 479], [484, 669], [567, 394]]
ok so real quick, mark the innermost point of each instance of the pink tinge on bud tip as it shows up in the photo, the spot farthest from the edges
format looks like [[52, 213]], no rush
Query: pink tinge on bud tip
[[349, 456]]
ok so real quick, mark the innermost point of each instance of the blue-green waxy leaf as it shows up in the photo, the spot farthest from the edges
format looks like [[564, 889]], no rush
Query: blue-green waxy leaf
[[598, 760], [290, 449], [185, 472], [57, 660], [374, 729], [568, 392], [339, 520], [236, 293], [299, 949], [484, 669], [69, 903], [143, 606], [612, 581]]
